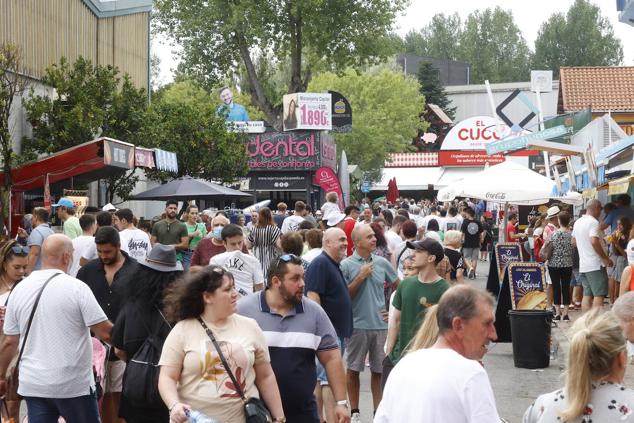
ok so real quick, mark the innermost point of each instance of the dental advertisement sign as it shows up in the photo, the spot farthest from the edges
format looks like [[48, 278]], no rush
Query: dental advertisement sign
[[297, 150]]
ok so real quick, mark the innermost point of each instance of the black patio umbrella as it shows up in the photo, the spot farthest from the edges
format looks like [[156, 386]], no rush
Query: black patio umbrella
[[188, 188]]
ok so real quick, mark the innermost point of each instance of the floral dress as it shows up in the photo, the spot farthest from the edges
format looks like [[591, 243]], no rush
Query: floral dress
[[609, 402]]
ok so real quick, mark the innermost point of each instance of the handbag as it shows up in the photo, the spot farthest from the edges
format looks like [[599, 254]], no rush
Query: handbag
[[546, 251], [254, 408], [140, 380], [13, 374]]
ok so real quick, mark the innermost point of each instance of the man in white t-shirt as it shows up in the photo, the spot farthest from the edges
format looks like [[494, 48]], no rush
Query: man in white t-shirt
[[291, 223], [593, 259], [56, 368], [134, 241], [452, 222], [446, 383], [245, 268], [433, 214], [393, 236], [84, 245]]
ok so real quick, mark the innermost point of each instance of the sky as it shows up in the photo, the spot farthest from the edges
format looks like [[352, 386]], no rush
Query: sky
[[528, 15]]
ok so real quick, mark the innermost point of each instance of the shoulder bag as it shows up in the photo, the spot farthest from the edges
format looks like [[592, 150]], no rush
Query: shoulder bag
[[254, 408], [13, 374], [140, 380]]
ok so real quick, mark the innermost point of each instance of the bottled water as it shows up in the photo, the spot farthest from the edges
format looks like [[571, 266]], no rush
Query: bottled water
[[198, 417]]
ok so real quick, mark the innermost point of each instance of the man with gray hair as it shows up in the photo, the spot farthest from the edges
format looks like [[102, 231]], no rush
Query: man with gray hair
[[446, 383]]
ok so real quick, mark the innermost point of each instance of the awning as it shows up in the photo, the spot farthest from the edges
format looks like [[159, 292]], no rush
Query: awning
[[409, 178], [452, 174], [614, 148]]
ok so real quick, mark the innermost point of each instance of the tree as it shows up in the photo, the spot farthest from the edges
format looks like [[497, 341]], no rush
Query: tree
[[12, 86], [91, 101], [385, 106], [432, 89], [493, 44], [218, 35], [583, 37], [439, 39]]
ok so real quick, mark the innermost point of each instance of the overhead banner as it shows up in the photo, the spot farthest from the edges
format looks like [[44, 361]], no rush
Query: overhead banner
[[307, 111], [165, 160], [576, 121], [144, 157], [327, 180], [341, 113], [118, 154], [468, 158], [516, 143]]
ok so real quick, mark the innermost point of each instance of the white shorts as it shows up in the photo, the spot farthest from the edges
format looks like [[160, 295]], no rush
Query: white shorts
[[114, 376]]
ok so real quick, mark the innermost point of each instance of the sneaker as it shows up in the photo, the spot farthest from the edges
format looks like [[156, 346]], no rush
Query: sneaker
[[355, 418], [566, 318]]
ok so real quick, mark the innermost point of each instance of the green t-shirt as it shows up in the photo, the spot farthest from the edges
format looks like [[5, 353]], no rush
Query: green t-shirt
[[413, 298], [200, 227], [169, 233], [72, 228]]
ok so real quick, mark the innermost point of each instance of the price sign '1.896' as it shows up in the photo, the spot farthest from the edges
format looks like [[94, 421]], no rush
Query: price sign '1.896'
[[307, 111]]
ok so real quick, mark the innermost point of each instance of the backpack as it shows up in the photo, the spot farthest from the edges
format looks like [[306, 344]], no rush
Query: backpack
[[140, 380]]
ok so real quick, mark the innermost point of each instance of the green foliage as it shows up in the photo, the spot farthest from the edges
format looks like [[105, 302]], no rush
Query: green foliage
[[583, 37], [191, 129], [91, 101], [385, 106], [493, 44], [432, 89], [440, 39], [218, 36]]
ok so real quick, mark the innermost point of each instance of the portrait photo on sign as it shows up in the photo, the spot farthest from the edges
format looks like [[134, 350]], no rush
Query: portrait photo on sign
[[290, 111]]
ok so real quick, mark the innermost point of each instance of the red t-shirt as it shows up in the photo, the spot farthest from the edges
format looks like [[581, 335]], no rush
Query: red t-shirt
[[510, 229], [206, 249]]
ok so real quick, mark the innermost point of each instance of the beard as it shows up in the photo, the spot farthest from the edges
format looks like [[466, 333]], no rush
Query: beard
[[290, 298]]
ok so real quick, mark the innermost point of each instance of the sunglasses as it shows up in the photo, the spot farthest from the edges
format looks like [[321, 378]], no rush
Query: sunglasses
[[288, 258], [20, 250]]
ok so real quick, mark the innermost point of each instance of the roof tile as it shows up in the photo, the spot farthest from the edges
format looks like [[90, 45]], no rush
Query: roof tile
[[603, 88]]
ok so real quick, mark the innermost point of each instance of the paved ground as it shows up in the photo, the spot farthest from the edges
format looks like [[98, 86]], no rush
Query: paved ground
[[514, 388]]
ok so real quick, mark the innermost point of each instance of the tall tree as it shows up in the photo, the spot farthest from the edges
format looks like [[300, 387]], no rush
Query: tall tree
[[583, 37], [439, 39], [12, 86], [385, 106], [431, 88], [91, 101], [493, 44], [218, 35], [183, 119]]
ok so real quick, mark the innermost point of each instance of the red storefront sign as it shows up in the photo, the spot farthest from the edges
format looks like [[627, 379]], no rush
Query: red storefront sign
[[475, 157]]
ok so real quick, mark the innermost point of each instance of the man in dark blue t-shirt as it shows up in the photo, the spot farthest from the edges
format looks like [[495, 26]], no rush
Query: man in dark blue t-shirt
[[326, 285]]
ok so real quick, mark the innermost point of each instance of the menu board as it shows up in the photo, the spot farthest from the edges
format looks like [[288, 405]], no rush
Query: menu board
[[526, 281], [505, 253]]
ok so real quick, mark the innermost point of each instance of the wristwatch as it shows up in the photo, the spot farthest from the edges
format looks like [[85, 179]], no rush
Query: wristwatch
[[344, 403]]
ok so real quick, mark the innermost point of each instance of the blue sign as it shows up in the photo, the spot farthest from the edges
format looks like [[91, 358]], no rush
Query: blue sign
[[526, 281], [365, 187], [505, 253], [517, 143]]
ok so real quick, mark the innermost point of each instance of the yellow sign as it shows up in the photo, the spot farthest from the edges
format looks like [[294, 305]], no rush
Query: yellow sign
[[589, 193], [619, 186]]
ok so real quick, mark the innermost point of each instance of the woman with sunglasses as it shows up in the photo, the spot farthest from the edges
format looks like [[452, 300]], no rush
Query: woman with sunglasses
[[193, 376], [13, 262]]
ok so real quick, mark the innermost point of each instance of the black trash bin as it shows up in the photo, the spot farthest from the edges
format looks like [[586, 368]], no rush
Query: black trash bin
[[530, 333]]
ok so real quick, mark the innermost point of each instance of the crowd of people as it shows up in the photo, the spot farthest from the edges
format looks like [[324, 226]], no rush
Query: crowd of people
[[290, 308]]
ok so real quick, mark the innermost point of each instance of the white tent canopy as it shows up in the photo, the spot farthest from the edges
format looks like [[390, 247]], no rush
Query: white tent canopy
[[507, 182]]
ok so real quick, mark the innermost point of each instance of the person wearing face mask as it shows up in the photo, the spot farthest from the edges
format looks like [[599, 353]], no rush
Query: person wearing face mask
[[211, 245], [56, 376]]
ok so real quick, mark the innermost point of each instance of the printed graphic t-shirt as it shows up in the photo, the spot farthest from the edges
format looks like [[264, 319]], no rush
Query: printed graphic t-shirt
[[204, 384]]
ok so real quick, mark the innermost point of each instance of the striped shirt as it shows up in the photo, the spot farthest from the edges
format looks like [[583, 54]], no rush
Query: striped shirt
[[264, 248], [293, 341]]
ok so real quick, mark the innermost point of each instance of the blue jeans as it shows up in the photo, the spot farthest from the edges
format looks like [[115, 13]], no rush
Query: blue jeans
[[82, 409]]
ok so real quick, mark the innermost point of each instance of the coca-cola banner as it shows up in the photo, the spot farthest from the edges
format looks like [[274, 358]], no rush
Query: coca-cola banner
[[328, 181], [297, 150]]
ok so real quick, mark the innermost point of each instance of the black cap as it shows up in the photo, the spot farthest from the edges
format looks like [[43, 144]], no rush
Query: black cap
[[432, 246]]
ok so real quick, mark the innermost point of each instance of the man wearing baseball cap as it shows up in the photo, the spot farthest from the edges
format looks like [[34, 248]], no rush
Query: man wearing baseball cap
[[66, 212], [413, 297]]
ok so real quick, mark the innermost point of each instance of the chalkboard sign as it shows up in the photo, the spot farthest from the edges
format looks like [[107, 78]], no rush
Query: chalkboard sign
[[526, 281], [506, 253]]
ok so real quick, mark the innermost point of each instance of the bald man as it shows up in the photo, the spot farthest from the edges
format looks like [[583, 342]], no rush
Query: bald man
[[593, 259], [326, 285], [56, 366]]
